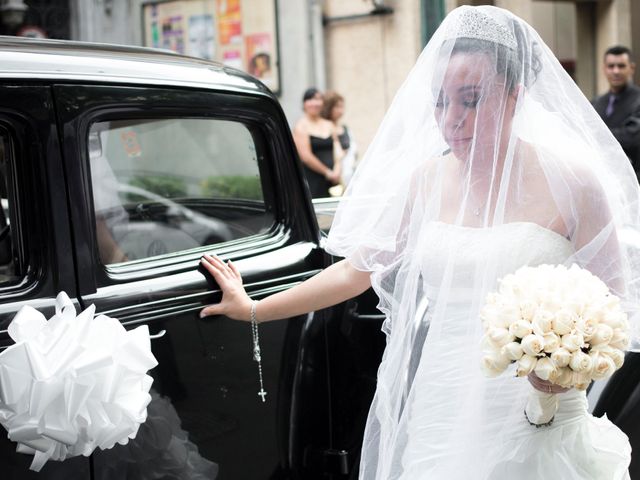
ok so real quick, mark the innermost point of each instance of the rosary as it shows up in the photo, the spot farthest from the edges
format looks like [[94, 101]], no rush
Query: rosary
[[256, 348]]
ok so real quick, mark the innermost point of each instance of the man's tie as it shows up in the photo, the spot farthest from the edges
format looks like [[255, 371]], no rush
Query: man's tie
[[609, 111]]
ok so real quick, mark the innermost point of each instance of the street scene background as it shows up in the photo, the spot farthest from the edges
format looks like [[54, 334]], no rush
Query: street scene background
[[362, 49]]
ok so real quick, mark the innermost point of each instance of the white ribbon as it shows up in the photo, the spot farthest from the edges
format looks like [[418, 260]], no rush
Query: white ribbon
[[73, 383], [541, 407]]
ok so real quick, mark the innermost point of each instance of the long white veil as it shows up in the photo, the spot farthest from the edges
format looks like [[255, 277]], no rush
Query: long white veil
[[488, 138]]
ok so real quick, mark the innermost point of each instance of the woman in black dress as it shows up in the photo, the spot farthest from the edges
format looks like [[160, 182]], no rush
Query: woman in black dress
[[333, 110], [318, 146]]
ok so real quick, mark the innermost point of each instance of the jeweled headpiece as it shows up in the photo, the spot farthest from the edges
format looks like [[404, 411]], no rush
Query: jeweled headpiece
[[473, 23]]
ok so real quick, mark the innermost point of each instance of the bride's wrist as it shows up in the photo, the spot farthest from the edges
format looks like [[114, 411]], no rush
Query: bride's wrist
[[253, 312]]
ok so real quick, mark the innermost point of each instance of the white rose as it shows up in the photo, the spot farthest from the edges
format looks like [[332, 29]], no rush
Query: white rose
[[575, 306], [561, 357], [499, 336], [564, 377], [572, 341], [552, 304], [612, 302], [508, 315], [580, 362], [615, 320], [542, 322], [525, 365], [603, 366], [603, 334], [619, 340], [499, 316], [564, 321], [493, 364], [520, 329], [551, 342], [532, 344], [593, 313], [545, 369], [587, 327], [527, 310], [617, 356], [580, 381], [513, 351]]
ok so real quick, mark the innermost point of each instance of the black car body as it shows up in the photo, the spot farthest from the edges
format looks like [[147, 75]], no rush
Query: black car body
[[119, 168], [156, 119]]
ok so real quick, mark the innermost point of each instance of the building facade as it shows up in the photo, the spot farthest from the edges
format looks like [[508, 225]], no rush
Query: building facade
[[361, 48]]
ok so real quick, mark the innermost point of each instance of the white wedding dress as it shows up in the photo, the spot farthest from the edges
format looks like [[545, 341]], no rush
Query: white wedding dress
[[491, 439]]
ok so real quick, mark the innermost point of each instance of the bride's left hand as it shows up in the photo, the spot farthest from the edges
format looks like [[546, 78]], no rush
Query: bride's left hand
[[545, 385]]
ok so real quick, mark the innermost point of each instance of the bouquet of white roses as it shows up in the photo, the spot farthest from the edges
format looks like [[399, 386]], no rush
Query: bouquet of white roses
[[561, 323]]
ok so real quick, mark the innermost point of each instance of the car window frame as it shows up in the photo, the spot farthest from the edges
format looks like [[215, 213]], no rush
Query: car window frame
[[265, 182], [30, 267], [258, 112], [37, 187]]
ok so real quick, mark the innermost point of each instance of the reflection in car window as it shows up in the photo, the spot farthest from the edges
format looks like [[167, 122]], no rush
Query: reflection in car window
[[164, 186], [8, 263]]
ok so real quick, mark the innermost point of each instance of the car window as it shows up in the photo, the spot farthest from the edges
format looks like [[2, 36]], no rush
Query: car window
[[9, 271], [165, 186]]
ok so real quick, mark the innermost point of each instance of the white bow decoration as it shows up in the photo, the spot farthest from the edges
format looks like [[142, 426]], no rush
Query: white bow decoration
[[73, 383]]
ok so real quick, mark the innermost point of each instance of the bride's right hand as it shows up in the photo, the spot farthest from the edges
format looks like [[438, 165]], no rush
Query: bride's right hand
[[545, 386], [235, 302]]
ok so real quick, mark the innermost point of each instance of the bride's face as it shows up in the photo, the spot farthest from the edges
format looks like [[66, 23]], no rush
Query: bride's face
[[474, 109]]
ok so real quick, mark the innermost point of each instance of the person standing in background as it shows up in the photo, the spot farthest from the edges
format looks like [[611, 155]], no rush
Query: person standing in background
[[620, 106], [333, 110], [318, 146]]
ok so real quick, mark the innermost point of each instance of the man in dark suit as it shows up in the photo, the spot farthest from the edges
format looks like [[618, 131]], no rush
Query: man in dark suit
[[620, 106]]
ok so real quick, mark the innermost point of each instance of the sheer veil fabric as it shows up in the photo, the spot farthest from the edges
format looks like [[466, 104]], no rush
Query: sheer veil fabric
[[489, 158]]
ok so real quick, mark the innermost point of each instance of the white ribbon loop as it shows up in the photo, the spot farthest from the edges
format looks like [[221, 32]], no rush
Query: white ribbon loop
[[73, 383]]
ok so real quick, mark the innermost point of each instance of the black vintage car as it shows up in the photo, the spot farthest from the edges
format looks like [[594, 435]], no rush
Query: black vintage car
[[119, 168]]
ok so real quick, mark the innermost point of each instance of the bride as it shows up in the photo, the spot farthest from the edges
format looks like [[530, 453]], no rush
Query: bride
[[490, 158]]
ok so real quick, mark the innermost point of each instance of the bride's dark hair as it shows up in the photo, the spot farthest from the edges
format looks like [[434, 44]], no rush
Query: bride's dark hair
[[520, 65]]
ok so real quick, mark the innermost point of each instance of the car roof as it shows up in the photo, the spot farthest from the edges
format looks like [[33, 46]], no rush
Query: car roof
[[63, 60]]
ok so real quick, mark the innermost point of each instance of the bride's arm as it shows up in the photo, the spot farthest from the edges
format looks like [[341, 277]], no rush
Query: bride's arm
[[595, 243], [595, 236], [335, 284]]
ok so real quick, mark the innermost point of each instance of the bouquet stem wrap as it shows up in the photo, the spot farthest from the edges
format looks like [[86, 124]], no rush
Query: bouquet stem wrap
[[73, 383], [541, 407]]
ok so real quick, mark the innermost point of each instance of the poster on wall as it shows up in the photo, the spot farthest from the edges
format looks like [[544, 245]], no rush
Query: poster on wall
[[232, 58], [239, 33], [172, 33], [201, 36], [258, 48], [229, 21]]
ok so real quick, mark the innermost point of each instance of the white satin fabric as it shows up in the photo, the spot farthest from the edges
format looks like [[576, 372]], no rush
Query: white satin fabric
[[438, 414]]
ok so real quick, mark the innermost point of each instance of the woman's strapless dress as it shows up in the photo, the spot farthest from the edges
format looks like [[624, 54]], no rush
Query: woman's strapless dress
[[460, 425]]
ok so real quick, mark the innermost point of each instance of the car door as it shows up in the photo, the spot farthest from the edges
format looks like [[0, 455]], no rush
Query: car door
[[35, 260], [164, 175]]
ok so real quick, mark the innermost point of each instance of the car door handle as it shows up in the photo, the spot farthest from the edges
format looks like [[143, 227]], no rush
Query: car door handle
[[369, 318], [160, 334]]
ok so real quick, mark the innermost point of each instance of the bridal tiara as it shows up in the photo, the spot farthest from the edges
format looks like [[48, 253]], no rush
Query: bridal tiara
[[472, 23]]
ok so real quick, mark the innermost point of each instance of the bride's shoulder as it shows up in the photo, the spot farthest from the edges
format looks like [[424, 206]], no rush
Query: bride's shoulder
[[430, 165], [428, 168], [571, 177], [574, 171]]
